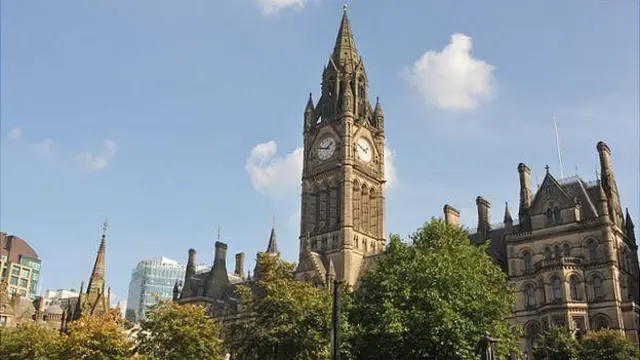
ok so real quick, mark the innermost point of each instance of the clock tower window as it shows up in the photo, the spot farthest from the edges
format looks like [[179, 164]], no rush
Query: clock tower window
[[374, 212], [365, 209], [356, 205]]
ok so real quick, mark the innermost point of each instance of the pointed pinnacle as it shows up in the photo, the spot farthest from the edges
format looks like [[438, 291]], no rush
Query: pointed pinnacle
[[345, 50], [628, 222], [309, 107], [273, 244], [507, 213], [378, 112], [332, 269]]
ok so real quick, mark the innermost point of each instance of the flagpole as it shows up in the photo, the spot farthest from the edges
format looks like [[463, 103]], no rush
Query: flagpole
[[555, 126]]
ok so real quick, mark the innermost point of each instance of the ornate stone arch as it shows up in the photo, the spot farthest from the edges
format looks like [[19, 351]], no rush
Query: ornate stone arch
[[557, 286], [567, 249], [532, 331], [527, 255], [600, 321]]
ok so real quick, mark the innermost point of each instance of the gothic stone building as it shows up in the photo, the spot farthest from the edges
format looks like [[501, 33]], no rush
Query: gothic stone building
[[572, 257]]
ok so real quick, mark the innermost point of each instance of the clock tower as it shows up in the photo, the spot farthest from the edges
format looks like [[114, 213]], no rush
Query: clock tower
[[342, 223]]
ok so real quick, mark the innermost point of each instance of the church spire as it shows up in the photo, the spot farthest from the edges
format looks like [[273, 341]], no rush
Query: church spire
[[96, 282], [345, 52], [272, 248]]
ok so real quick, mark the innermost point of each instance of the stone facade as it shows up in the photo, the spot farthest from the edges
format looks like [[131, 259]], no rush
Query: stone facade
[[572, 257]]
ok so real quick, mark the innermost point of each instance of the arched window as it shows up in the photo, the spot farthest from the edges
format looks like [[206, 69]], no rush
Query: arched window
[[573, 288], [549, 215], [373, 201], [543, 296], [593, 250], [557, 289], [597, 288], [531, 332], [530, 293], [365, 220], [547, 253], [356, 205], [557, 217], [557, 252], [600, 322], [567, 250], [526, 256]]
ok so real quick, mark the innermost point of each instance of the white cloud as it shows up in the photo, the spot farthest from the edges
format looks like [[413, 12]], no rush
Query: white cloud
[[271, 174], [390, 170], [270, 7], [15, 134], [99, 162], [452, 79], [45, 147], [278, 175]]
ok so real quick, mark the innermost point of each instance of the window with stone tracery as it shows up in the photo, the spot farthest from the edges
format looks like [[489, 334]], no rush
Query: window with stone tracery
[[374, 213], [312, 213], [365, 209], [356, 205], [333, 207], [322, 213]]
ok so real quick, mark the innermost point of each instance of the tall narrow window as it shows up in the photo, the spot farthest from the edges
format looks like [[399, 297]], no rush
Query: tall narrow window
[[543, 296], [593, 250], [527, 261], [322, 214], [549, 216], [573, 288], [597, 288], [313, 199], [531, 296], [547, 253], [557, 217], [557, 289], [374, 213], [557, 252], [333, 207], [567, 250], [356, 205], [365, 209]]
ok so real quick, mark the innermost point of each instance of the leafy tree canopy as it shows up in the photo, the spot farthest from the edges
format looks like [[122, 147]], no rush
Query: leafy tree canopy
[[179, 332], [287, 319], [607, 345], [98, 337], [30, 341], [431, 299]]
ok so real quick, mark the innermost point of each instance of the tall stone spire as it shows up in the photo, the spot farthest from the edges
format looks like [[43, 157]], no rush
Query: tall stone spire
[[272, 248], [345, 52], [96, 282]]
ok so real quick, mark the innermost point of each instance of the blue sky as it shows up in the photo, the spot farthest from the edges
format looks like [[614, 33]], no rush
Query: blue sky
[[150, 113]]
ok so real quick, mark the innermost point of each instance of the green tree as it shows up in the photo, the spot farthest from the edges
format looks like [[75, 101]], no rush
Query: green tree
[[179, 332], [556, 344], [431, 299], [98, 337], [287, 319], [30, 341], [607, 345]]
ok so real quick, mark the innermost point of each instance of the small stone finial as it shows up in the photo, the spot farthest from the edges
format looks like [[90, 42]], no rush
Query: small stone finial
[[546, 167], [345, 6]]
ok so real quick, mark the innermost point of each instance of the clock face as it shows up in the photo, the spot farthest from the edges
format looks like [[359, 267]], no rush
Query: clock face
[[326, 148], [363, 149]]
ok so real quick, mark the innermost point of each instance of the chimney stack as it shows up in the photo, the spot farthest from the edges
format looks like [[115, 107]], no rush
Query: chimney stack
[[451, 215], [218, 277], [239, 270], [484, 220]]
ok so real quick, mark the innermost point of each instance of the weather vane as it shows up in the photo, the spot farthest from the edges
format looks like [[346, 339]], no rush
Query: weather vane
[[104, 226], [218, 233], [273, 221], [345, 6]]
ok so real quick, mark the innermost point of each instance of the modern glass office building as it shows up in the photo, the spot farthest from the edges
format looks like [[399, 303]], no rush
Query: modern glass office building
[[154, 276], [19, 266]]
